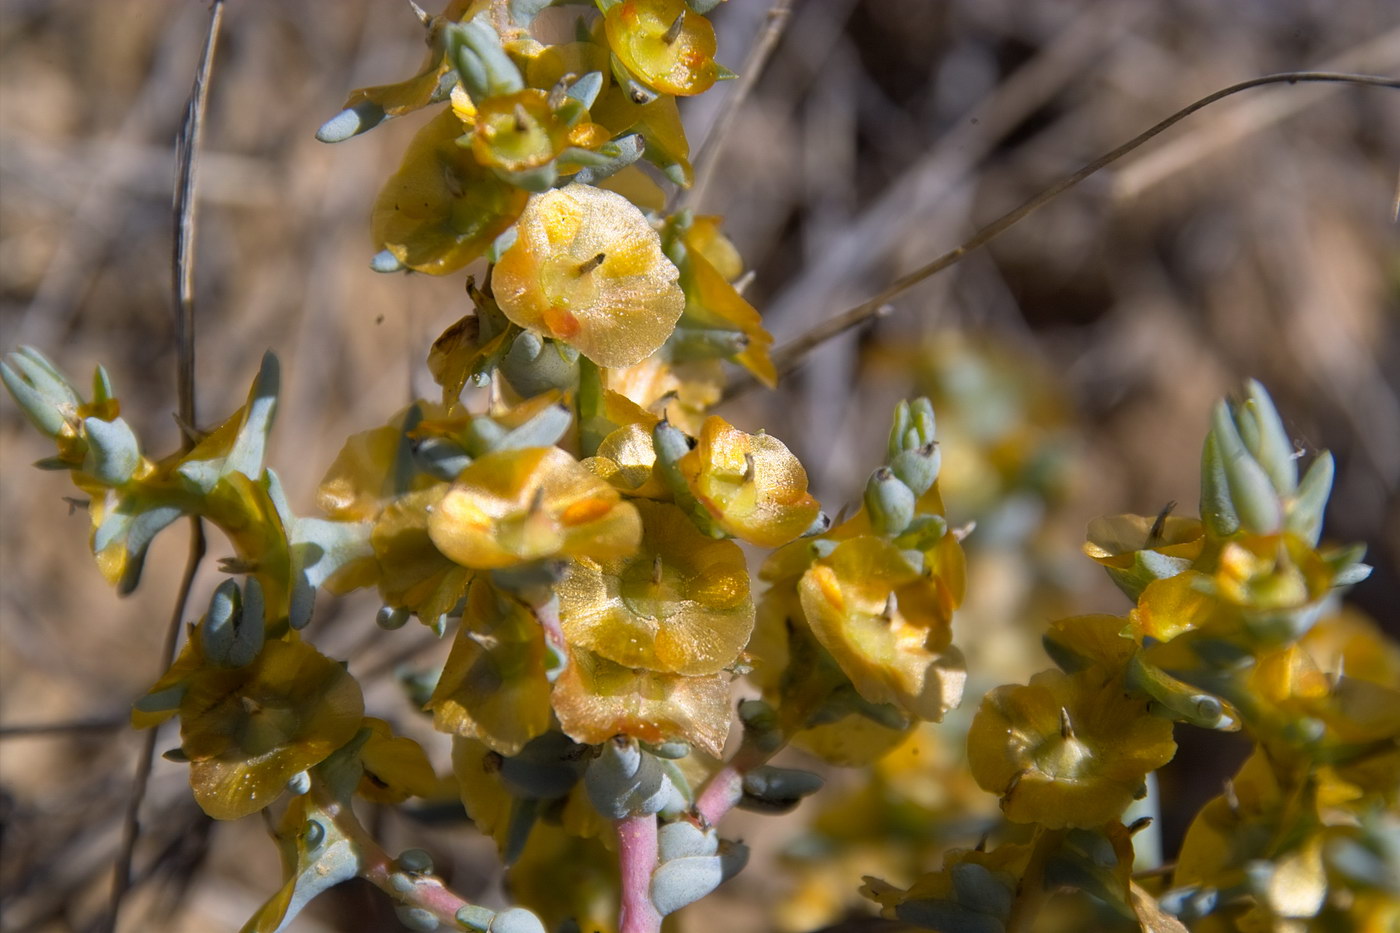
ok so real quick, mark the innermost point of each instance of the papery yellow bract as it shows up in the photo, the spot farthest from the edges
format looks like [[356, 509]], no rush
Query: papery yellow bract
[[711, 301], [363, 475], [626, 459], [887, 625], [442, 208], [512, 507], [684, 392], [413, 573], [751, 484], [395, 766], [587, 269], [517, 132], [1066, 749], [664, 44], [596, 699], [678, 603], [248, 730], [494, 687]]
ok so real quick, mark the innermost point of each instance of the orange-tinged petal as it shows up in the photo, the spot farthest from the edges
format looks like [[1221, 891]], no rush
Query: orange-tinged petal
[[596, 699], [248, 730], [750, 483], [587, 269], [494, 687], [886, 625], [1066, 749], [679, 603], [666, 45], [516, 506], [442, 208]]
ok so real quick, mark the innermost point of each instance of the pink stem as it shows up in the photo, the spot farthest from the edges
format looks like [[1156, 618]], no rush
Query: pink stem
[[720, 793], [376, 867], [637, 855]]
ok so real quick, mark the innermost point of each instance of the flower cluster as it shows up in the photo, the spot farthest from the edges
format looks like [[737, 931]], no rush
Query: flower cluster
[[1233, 628]]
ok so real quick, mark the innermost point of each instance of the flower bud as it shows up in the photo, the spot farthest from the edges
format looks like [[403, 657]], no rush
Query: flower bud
[[1251, 490], [918, 468], [390, 618], [300, 783], [352, 121], [482, 64], [44, 396], [475, 918], [1305, 514], [890, 502], [546, 768], [1217, 508], [625, 781], [1271, 446]]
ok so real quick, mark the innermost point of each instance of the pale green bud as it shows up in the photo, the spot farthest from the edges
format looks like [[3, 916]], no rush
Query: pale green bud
[[384, 261], [440, 457], [1179, 699], [609, 159], [918, 468], [1217, 509], [547, 767], [1271, 447], [352, 121], [475, 918], [312, 834], [482, 64], [1251, 491], [1306, 513], [890, 502], [299, 784], [113, 452]]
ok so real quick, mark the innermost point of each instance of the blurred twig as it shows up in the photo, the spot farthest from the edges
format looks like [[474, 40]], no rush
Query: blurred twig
[[708, 157], [187, 150], [60, 729], [788, 356]]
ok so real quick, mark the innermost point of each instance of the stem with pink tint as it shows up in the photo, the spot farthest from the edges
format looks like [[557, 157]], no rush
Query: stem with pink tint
[[637, 856]]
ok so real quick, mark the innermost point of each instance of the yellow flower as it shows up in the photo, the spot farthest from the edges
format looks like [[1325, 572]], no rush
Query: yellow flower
[[512, 507], [1066, 749], [887, 625], [494, 687], [587, 269], [442, 208], [1137, 549], [683, 392], [626, 458], [365, 474], [517, 132], [596, 699], [664, 44], [395, 766], [750, 483], [413, 573], [679, 603], [711, 302], [248, 730]]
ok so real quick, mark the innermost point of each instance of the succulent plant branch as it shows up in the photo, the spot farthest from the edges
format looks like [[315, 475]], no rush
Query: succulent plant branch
[[182, 276], [582, 529], [790, 355]]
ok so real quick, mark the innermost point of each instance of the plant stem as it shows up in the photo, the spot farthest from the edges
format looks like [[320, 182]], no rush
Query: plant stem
[[636, 856], [377, 867]]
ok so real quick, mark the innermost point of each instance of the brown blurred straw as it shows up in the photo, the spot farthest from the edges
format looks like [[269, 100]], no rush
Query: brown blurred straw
[[789, 356]]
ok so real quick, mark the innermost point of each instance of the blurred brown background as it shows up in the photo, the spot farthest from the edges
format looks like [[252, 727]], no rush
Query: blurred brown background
[[1256, 239]]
